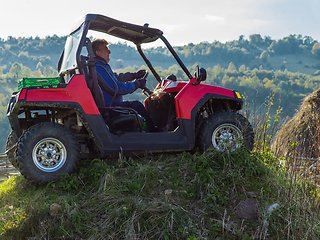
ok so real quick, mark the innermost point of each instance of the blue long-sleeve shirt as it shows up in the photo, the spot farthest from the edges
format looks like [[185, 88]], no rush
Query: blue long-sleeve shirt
[[122, 80]]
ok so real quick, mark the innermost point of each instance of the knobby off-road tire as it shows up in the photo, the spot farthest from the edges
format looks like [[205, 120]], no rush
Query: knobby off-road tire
[[45, 151], [225, 131], [11, 155]]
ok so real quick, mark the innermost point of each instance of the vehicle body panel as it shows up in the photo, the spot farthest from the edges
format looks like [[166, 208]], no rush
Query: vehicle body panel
[[75, 91], [191, 94]]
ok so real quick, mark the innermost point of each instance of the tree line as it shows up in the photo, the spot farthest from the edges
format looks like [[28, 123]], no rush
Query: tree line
[[36, 53]]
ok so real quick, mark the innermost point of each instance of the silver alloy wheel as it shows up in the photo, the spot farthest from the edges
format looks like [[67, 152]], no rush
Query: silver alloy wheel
[[226, 137], [49, 154]]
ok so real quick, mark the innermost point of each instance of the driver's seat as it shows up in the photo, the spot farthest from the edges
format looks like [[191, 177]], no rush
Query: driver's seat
[[123, 119]]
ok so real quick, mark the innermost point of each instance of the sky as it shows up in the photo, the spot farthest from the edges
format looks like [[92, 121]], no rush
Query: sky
[[182, 22]]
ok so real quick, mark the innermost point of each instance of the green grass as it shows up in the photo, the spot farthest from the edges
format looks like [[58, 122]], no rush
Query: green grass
[[172, 196], [302, 63]]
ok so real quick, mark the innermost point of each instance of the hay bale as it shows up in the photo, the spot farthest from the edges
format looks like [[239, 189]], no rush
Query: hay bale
[[300, 136]]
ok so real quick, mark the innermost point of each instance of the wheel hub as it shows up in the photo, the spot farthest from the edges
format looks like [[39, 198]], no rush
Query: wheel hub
[[49, 154], [226, 137]]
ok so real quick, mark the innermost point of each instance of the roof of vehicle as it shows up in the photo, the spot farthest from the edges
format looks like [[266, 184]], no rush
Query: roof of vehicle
[[131, 32]]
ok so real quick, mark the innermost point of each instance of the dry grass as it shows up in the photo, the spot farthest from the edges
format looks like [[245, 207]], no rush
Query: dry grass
[[299, 137]]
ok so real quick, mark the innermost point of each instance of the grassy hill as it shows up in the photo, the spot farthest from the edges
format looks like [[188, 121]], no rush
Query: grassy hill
[[177, 196]]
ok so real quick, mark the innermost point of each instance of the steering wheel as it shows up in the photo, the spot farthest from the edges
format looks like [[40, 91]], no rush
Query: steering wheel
[[146, 90]]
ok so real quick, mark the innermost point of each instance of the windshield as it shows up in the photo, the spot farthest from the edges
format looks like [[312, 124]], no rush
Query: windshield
[[69, 61]]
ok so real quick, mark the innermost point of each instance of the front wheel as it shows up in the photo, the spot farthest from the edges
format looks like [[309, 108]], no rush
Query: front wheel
[[225, 131], [45, 151]]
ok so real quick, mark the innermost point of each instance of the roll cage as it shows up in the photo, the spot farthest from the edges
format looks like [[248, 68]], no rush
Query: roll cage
[[70, 60]]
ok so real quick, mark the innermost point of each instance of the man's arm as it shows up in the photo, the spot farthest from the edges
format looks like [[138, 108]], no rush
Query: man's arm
[[123, 87]]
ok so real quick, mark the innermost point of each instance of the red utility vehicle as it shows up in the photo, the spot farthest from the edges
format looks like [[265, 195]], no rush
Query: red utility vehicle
[[55, 124]]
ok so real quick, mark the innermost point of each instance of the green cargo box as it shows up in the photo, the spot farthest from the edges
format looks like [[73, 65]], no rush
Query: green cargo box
[[38, 82]]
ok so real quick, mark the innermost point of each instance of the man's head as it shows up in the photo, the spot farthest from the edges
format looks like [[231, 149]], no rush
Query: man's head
[[100, 48]]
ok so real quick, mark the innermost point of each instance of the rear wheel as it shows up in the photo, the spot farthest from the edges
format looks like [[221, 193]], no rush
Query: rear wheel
[[225, 131], [45, 151], [11, 154]]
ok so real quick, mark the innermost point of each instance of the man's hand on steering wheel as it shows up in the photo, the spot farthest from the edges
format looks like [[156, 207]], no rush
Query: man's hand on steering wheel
[[140, 83], [143, 85]]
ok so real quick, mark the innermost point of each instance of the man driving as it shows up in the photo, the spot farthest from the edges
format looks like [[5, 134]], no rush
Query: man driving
[[126, 82]]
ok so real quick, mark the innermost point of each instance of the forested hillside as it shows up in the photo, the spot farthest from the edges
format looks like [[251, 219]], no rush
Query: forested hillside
[[257, 67], [256, 52]]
